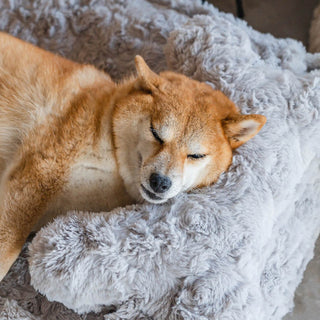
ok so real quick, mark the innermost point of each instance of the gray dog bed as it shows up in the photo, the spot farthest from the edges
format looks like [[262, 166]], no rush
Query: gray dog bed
[[235, 250]]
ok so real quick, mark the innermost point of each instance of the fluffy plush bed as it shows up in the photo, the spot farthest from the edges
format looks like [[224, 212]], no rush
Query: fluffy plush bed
[[235, 250]]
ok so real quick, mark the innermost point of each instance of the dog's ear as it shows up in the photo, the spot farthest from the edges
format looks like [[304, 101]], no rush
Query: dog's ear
[[241, 128], [147, 79]]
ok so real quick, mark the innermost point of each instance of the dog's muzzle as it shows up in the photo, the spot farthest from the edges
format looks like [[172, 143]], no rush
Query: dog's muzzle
[[159, 183]]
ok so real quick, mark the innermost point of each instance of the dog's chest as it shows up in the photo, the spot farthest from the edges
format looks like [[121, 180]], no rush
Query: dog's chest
[[94, 185]]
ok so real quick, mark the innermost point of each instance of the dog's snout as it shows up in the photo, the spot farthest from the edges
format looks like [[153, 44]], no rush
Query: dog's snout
[[159, 183]]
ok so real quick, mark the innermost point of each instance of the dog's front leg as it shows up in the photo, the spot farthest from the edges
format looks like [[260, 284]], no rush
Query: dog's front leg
[[26, 190]]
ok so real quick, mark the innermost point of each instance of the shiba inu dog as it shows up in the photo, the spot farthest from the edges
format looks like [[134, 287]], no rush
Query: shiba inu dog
[[71, 138]]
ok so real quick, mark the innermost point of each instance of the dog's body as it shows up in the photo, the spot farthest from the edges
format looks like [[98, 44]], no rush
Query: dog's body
[[44, 97], [70, 138]]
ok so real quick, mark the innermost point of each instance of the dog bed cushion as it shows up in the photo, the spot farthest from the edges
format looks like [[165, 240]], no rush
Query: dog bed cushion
[[234, 250]]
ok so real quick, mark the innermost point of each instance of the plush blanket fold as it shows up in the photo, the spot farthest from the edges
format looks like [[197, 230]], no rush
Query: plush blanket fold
[[235, 250]]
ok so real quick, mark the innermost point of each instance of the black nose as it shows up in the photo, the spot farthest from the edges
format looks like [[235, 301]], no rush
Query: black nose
[[159, 183]]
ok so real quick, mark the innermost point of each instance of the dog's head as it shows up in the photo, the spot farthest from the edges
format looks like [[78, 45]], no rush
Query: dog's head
[[174, 134]]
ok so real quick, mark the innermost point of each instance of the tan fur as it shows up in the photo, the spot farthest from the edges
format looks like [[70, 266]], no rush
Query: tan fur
[[70, 138]]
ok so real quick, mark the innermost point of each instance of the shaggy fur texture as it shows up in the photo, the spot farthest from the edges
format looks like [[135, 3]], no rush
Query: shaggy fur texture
[[235, 250]]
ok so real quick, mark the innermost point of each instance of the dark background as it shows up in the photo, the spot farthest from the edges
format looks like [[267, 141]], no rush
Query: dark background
[[282, 18]]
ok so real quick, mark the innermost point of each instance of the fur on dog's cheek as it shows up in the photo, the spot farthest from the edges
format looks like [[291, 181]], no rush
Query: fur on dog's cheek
[[194, 170]]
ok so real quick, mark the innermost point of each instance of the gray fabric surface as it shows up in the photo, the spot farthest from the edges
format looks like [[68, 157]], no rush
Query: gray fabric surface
[[235, 250]]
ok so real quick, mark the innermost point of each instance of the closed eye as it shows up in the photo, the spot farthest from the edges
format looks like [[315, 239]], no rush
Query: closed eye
[[155, 134], [196, 156]]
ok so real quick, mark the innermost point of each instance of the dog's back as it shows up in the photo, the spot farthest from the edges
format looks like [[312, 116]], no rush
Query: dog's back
[[34, 86], [50, 106]]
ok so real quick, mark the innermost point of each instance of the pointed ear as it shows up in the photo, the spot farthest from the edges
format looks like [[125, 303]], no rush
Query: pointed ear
[[242, 128], [148, 80]]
